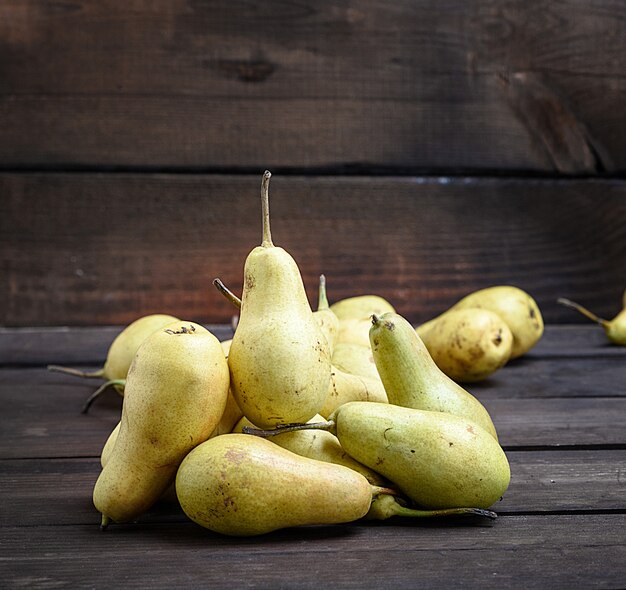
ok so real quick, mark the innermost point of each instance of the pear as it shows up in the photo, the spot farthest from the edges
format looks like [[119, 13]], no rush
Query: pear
[[317, 444], [356, 359], [345, 387], [438, 460], [361, 307], [175, 395], [326, 319], [279, 359], [468, 345], [516, 307], [120, 355], [615, 329], [411, 377], [243, 485], [354, 331]]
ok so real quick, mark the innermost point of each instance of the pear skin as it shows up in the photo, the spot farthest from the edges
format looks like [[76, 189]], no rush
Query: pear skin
[[345, 387], [325, 317], [175, 395], [356, 359], [438, 460], [615, 329], [319, 445], [242, 485], [354, 331], [468, 345], [411, 377], [361, 307], [516, 307], [279, 358]]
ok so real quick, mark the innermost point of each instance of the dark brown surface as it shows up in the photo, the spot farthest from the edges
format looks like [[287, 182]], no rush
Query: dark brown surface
[[88, 249], [561, 524], [475, 85]]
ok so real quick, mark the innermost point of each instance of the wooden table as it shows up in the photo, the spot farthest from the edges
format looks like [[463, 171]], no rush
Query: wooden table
[[560, 412]]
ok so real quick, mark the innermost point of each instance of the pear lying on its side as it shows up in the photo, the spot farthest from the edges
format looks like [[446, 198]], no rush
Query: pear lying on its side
[[360, 307]]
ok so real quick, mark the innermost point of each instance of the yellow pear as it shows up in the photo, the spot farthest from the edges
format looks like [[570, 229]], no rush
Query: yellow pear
[[319, 445], [120, 355], [346, 387], [326, 319], [516, 307], [241, 485], [615, 329], [468, 344], [354, 331], [437, 459], [411, 377], [175, 395], [355, 359], [360, 307], [279, 359]]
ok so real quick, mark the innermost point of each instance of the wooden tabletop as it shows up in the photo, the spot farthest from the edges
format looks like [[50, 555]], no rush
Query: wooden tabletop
[[560, 413]]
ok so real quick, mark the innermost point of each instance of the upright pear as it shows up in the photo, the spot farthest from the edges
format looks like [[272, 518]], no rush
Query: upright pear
[[437, 459], [175, 395], [615, 329], [279, 359], [325, 317], [411, 377], [243, 485], [120, 355]]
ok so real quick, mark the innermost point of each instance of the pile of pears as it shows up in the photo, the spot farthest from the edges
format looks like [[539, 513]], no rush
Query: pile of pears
[[308, 417]]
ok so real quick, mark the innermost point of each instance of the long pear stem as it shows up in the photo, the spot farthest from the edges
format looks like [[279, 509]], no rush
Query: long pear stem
[[98, 392], [579, 308], [224, 290], [322, 301], [265, 207], [76, 372], [327, 425], [415, 513]]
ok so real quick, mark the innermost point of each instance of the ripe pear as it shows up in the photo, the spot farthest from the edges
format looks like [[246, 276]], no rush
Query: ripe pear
[[175, 395], [516, 307], [241, 485], [319, 445], [361, 307], [615, 329], [468, 345], [120, 355], [326, 319], [279, 359], [437, 459], [354, 331], [356, 359], [345, 387], [411, 377]]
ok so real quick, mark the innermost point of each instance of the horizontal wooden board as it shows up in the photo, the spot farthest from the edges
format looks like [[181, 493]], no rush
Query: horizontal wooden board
[[40, 492], [88, 249], [515, 552], [452, 85]]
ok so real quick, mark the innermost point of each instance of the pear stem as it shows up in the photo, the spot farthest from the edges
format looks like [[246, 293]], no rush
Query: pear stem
[[415, 513], [378, 490], [327, 425], [224, 290], [265, 207], [76, 372], [98, 392], [579, 308], [322, 302]]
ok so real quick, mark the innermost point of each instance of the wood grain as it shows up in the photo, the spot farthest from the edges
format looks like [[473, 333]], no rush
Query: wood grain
[[88, 249], [448, 85]]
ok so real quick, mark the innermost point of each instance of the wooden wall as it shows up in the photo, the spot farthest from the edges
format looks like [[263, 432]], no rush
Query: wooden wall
[[420, 150]]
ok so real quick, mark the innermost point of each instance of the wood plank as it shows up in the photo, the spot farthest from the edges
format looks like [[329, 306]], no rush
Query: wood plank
[[515, 552], [40, 492], [422, 243], [430, 86]]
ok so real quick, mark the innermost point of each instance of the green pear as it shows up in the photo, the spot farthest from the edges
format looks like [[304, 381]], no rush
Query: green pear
[[516, 307], [241, 485], [319, 445], [437, 459], [615, 329], [468, 345], [411, 377], [175, 395], [346, 387], [120, 355], [325, 317], [361, 307], [279, 359]]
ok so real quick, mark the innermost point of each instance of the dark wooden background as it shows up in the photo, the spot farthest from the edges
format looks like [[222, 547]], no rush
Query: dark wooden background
[[420, 150]]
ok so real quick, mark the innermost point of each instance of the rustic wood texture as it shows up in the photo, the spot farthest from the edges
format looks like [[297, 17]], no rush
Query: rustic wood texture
[[561, 523], [88, 249], [457, 85]]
